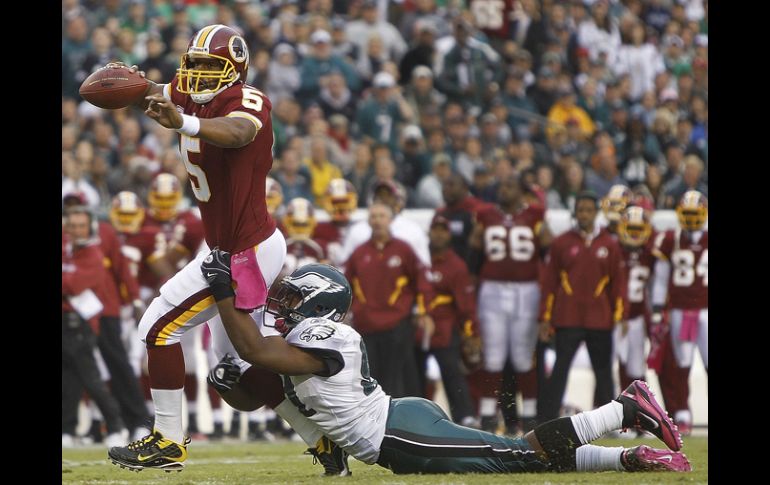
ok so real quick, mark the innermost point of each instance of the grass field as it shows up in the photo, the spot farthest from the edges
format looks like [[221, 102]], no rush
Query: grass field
[[280, 463]]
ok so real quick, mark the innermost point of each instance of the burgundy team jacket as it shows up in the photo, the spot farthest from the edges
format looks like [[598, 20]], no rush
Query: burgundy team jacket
[[386, 284], [453, 304], [584, 285], [81, 269], [121, 286]]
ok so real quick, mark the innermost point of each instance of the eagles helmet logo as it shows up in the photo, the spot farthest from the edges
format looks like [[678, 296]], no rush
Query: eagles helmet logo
[[320, 331], [315, 283]]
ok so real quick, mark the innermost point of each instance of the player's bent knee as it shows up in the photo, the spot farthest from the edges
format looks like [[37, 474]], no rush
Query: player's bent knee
[[560, 442]]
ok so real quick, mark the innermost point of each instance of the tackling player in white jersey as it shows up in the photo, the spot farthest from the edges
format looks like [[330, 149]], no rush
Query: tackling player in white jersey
[[323, 363]]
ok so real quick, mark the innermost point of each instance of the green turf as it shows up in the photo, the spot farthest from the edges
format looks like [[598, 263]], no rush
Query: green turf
[[280, 463]]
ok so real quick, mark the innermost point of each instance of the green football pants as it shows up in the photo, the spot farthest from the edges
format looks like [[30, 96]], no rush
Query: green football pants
[[420, 438]]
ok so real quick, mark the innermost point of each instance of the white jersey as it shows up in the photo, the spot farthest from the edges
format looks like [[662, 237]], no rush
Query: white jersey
[[344, 401]]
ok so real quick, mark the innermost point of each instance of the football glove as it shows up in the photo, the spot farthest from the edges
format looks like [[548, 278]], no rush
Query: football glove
[[225, 375], [216, 271]]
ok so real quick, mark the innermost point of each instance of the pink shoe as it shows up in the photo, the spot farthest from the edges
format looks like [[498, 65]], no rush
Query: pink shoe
[[641, 410], [645, 459]]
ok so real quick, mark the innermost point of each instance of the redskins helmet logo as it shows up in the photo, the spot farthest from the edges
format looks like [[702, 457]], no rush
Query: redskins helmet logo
[[238, 49]]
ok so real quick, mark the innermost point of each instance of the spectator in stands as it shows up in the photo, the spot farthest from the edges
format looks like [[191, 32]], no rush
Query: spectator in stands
[[470, 73], [336, 98], [421, 54], [359, 31], [362, 173], [420, 92], [691, 178], [412, 160], [318, 64], [606, 174], [283, 80], [429, 189], [599, 34], [294, 177], [320, 168], [565, 110], [378, 118]]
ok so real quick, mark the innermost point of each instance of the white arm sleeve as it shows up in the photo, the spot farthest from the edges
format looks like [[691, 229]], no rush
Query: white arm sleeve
[[660, 282], [167, 91]]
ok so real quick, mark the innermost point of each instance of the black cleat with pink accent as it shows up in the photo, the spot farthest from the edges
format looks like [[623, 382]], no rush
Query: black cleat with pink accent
[[641, 410]]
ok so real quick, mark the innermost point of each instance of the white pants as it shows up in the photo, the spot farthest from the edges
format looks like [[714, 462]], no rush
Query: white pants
[[630, 349], [508, 316], [685, 351], [185, 301]]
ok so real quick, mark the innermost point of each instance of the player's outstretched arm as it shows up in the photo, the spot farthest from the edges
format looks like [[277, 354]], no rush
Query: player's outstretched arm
[[224, 132], [272, 353]]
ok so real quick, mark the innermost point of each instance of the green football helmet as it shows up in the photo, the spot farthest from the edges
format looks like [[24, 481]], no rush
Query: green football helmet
[[314, 290]]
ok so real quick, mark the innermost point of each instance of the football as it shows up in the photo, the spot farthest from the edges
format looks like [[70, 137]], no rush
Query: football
[[113, 88]]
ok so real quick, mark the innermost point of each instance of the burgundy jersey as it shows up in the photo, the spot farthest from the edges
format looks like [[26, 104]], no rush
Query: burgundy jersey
[[330, 236], [229, 183], [300, 252], [688, 285], [493, 16], [140, 248], [186, 228], [511, 244], [639, 265]]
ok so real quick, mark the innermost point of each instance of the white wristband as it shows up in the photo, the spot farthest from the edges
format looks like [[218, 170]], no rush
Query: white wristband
[[191, 125]]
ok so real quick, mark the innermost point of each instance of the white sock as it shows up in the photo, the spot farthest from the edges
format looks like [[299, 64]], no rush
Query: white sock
[[590, 458], [308, 430], [168, 413], [488, 406], [589, 425], [217, 415], [528, 408], [192, 407]]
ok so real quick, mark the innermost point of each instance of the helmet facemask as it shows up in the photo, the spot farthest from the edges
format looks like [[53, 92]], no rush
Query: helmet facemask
[[692, 211], [291, 307], [194, 81]]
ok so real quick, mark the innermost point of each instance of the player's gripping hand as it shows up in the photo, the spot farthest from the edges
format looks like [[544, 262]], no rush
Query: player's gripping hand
[[225, 375], [116, 64], [216, 271], [163, 111]]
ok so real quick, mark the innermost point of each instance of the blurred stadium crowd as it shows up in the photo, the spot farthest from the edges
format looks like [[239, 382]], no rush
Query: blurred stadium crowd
[[568, 95]]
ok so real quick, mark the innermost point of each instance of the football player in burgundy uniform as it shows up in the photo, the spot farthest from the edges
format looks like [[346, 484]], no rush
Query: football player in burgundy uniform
[[183, 233], [509, 238], [300, 222], [681, 285], [226, 141], [613, 204], [634, 231], [340, 202], [143, 244]]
